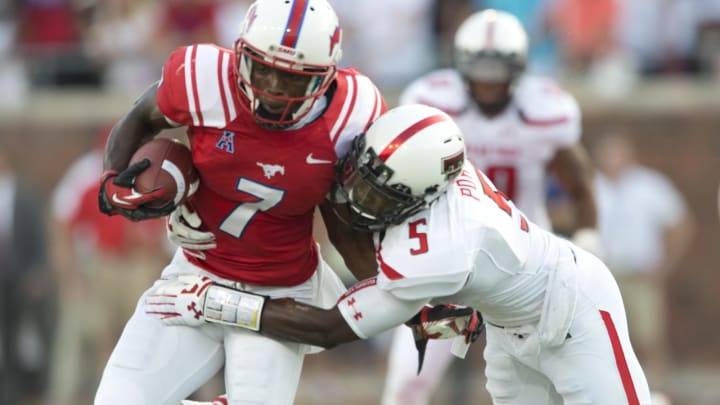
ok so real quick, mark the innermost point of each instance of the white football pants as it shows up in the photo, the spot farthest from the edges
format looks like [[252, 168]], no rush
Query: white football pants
[[595, 365], [156, 364]]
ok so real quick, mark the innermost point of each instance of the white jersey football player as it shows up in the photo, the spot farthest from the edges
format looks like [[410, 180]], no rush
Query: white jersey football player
[[443, 233], [517, 128]]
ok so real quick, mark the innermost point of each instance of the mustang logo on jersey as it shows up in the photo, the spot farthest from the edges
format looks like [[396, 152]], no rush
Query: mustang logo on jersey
[[271, 170], [227, 142]]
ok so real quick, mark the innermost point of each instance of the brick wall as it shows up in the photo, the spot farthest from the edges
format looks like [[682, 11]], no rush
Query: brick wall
[[686, 147]]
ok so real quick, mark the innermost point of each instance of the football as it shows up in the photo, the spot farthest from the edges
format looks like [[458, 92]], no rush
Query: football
[[170, 169]]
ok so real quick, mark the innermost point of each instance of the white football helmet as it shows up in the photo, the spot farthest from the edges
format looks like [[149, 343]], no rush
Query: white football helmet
[[405, 160], [297, 36], [491, 45]]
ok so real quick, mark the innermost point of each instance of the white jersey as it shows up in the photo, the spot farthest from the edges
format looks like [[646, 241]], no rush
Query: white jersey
[[471, 247], [551, 308], [512, 149]]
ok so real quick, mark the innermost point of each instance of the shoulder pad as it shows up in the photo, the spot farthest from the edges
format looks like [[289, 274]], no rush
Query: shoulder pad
[[362, 103], [543, 102], [443, 89], [546, 107], [196, 87]]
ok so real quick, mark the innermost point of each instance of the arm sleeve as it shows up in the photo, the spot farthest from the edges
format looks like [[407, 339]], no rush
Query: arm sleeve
[[369, 310]]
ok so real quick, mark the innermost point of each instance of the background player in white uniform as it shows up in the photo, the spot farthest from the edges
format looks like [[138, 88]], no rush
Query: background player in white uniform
[[556, 326], [517, 129], [276, 100]]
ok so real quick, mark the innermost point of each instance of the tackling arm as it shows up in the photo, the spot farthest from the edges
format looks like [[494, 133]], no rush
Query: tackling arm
[[355, 247], [290, 320]]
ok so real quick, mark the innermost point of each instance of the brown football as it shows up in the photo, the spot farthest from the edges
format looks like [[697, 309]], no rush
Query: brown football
[[171, 169]]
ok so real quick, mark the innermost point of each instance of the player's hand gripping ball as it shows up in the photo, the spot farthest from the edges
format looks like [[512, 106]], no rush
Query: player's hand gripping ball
[[171, 170], [159, 177]]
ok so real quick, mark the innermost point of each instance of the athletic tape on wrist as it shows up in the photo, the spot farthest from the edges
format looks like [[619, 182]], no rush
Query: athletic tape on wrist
[[233, 307]]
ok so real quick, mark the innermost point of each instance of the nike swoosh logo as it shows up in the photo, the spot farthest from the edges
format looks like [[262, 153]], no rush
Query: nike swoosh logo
[[312, 161], [124, 201]]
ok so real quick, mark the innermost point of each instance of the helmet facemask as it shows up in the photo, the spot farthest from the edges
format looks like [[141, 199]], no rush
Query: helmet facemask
[[491, 47], [490, 67], [374, 204], [298, 106]]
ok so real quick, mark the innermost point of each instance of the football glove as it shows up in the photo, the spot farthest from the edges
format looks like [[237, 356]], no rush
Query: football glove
[[182, 230], [118, 196], [178, 301], [191, 300], [444, 322]]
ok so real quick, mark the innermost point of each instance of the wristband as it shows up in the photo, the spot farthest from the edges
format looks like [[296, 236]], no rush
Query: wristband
[[232, 307]]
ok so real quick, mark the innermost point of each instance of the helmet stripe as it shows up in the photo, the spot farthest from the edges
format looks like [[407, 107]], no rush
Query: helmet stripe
[[409, 133], [490, 34], [294, 23]]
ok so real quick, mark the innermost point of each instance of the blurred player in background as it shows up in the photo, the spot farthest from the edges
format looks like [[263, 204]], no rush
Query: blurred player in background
[[556, 326], [103, 265], [266, 123], [518, 128]]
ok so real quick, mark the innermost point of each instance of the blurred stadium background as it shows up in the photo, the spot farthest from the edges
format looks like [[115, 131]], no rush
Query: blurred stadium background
[[70, 68]]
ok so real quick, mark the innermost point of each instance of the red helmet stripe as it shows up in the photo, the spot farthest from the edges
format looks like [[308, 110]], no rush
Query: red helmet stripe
[[490, 35], [408, 133], [294, 23]]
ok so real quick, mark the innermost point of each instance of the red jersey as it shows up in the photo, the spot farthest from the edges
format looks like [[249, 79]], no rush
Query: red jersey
[[259, 187]]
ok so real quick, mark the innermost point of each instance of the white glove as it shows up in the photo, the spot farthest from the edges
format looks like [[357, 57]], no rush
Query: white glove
[[178, 301], [182, 230], [588, 239]]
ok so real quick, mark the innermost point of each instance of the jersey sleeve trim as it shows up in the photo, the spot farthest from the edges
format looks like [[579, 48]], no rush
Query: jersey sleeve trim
[[346, 110], [377, 108], [546, 122], [386, 269], [191, 83], [209, 100]]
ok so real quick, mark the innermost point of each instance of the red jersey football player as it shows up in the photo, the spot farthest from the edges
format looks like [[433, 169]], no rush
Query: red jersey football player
[[266, 123]]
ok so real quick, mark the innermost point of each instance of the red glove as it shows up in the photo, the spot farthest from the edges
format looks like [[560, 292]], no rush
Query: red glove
[[444, 322], [117, 195]]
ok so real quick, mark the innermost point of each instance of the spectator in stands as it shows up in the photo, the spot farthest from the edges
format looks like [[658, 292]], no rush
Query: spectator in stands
[[104, 264], [660, 34], [645, 228], [403, 43], [184, 22], [50, 37], [13, 76], [117, 41], [585, 30], [27, 299]]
